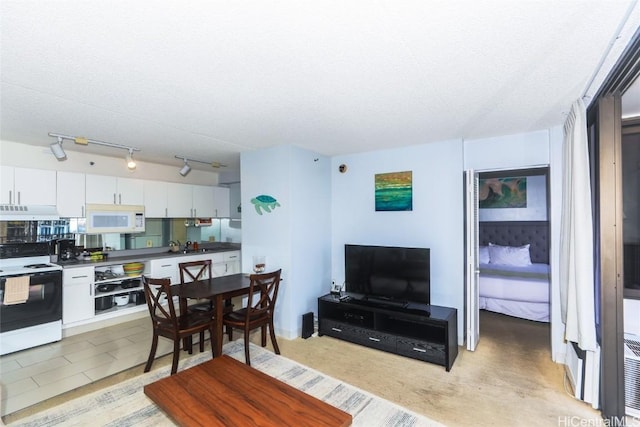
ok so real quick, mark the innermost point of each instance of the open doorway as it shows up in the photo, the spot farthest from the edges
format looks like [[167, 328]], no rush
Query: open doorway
[[512, 252]]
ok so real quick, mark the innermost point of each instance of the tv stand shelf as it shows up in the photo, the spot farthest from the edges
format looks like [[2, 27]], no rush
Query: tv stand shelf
[[424, 332]]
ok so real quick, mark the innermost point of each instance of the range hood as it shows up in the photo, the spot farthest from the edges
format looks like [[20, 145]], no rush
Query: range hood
[[28, 213]]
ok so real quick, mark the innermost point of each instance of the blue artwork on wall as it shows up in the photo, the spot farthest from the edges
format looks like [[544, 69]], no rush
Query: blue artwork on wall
[[394, 191]]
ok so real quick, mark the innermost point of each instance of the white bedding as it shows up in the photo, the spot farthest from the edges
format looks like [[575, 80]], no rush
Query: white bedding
[[526, 297]]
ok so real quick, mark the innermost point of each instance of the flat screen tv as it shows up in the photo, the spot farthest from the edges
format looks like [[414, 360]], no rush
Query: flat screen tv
[[386, 272]]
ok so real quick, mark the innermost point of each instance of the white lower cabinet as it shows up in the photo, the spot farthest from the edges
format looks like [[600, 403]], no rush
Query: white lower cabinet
[[229, 264], [81, 290], [164, 268], [77, 294]]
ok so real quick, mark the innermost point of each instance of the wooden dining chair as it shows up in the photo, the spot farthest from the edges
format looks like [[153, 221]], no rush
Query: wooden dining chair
[[196, 270], [258, 313], [167, 323]]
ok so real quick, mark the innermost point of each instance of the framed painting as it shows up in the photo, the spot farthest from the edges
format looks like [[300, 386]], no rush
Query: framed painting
[[498, 193], [394, 191]]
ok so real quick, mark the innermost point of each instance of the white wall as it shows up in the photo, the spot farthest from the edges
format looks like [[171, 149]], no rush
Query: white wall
[[31, 156], [294, 236], [436, 220]]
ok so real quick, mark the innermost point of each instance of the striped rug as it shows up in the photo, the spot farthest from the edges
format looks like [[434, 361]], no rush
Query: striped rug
[[125, 404]]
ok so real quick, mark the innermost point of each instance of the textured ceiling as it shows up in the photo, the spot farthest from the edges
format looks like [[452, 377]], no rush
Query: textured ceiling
[[209, 80]]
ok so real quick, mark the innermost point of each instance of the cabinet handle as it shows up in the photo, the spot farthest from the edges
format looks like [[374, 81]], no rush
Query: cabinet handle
[[165, 265], [336, 329], [18, 198], [195, 212], [120, 198], [82, 210], [10, 197], [78, 277], [114, 198], [374, 339], [233, 256], [421, 350], [166, 212]]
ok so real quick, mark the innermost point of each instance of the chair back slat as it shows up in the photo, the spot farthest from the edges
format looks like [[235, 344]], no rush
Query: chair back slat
[[157, 292], [194, 270], [263, 292]]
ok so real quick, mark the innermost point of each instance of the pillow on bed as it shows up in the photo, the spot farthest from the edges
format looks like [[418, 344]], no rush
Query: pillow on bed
[[483, 255], [517, 256]]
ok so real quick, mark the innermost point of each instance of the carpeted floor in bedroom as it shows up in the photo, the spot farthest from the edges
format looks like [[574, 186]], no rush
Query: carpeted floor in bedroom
[[509, 380]]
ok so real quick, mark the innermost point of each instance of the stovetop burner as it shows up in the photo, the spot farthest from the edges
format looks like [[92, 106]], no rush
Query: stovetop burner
[[37, 266]]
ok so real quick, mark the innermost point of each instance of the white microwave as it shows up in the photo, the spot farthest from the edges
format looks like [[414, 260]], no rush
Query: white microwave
[[114, 219]]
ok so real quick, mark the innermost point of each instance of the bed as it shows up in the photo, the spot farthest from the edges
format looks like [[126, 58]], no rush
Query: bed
[[514, 269]]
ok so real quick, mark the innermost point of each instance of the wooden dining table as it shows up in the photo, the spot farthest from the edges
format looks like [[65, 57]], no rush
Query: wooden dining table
[[218, 289]]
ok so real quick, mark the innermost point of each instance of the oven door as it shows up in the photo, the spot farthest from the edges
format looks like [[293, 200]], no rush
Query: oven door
[[44, 304]]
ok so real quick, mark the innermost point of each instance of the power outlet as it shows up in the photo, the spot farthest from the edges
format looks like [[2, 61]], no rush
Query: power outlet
[[149, 243]]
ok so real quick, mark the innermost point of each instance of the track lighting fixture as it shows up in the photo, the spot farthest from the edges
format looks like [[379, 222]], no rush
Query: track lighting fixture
[[131, 164], [187, 168], [56, 147]]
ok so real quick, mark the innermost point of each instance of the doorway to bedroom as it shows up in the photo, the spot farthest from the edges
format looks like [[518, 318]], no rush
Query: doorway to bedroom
[[513, 253]]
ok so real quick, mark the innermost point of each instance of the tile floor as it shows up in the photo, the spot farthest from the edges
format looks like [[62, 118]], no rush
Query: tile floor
[[34, 375]]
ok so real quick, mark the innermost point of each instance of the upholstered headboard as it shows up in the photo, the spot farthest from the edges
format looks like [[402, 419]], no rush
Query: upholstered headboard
[[518, 233]]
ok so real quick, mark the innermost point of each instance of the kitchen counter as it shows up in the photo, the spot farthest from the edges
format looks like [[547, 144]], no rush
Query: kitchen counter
[[147, 256]]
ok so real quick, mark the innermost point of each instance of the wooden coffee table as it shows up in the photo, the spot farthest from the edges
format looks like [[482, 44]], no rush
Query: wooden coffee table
[[226, 392]]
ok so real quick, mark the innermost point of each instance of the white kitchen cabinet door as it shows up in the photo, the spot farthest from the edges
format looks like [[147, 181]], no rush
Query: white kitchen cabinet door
[[130, 191], [70, 194], [155, 199], [203, 204], [165, 268], [179, 200], [111, 190], [77, 294], [101, 189], [221, 202], [232, 262], [7, 192], [34, 187]]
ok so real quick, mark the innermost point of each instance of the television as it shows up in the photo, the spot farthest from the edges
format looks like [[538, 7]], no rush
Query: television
[[387, 273]]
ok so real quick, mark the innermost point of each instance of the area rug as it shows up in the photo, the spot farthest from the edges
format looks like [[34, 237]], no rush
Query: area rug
[[125, 404]]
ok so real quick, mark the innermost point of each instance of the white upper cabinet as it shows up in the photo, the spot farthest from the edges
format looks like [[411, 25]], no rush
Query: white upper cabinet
[[111, 190], [25, 186], [203, 205], [221, 202], [70, 194], [6, 185], [179, 200], [190, 201], [155, 199]]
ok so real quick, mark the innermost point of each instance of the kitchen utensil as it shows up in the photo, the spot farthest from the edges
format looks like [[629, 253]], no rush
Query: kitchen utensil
[[104, 303], [117, 270], [133, 268], [107, 287], [137, 297], [122, 299], [130, 283]]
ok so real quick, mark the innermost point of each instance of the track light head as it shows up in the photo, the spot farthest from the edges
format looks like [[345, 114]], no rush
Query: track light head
[[56, 149], [131, 164], [185, 169]]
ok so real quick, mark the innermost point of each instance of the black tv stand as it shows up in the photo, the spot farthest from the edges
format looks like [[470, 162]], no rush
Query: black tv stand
[[419, 331]]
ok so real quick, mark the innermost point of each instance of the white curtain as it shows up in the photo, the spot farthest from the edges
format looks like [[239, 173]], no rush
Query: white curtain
[[576, 235]]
